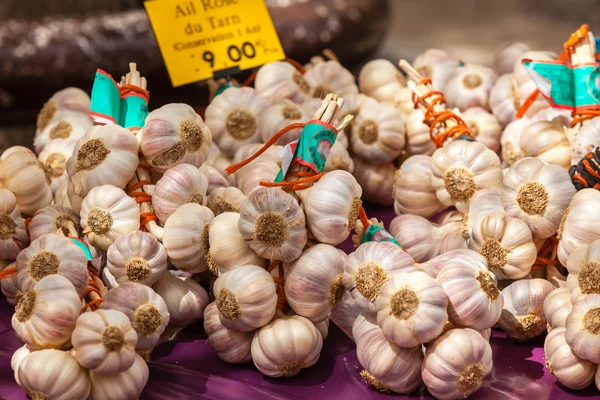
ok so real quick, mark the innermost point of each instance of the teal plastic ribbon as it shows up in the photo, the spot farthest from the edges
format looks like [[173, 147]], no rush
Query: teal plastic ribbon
[[83, 247], [224, 87], [376, 233]]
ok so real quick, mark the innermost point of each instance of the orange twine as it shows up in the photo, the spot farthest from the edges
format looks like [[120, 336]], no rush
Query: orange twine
[[127, 89], [281, 300], [142, 197], [8, 272], [93, 286], [547, 254]]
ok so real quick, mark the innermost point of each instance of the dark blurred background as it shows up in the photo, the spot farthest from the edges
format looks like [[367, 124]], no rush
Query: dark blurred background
[[46, 45]]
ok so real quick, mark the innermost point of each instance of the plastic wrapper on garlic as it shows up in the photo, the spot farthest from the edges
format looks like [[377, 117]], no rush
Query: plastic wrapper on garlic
[[231, 346], [525, 85]]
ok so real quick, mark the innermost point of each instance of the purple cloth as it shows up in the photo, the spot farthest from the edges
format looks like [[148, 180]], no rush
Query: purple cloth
[[189, 369]]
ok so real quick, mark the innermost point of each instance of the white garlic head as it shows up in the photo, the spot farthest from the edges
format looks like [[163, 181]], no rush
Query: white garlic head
[[511, 140], [504, 99], [418, 138], [381, 80], [584, 267], [227, 199], [339, 157], [579, 223], [526, 86], [376, 181], [437, 65], [505, 59], [231, 346], [214, 178], [53, 218], [547, 141], [279, 116], [330, 77], [67, 126], [484, 126], [583, 328], [13, 235], [470, 86], [123, 386], [53, 159], [10, 286], [280, 80], [413, 192], [185, 298]]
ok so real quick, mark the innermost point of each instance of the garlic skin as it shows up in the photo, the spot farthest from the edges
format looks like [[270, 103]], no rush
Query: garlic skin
[[75, 201], [137, 257], [474, 300], [233, 118], [579, 223], [107, 212], [273, 224], [277, 117], [583, 271], [22, 174], [352, 105], [437, 65], [246, 298], [249, 178], [52, 218], [523, 311], [582, 328], [435, 265], [387, 366], [52, 254], [60, 196], [67, 126], [418, 138], [505, 59], [45, 315], [186, 235], [484, 126], [344, 314], [218, 160], [104, 341], [286, 345], [16, 359], [525, 84], [339, 157], [378, 133], [412, 191], [53, 159], [106, 155], [376, 181], [280, 80], [332, 207], [146, 310], [557, 307], [223, 200], [469, 86], [123, 386], [381, 80], [182, 184], [313, 283], [231, 346], [68, 99], [547, 141], [330, 77], [456, 363], [460, 169], [411, 309], [214, 178], [586, 139], [504, 99], [13, 234], [369, 267], [511, 140], [174, 134], [10, 286], [538, 194], [185, 298], [53, 374], [562, 362]]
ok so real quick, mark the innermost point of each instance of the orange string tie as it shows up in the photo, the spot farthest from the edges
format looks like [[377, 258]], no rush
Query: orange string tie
[[362, 215], [8, 272], [250, 79], [297, 184], [584, 115], [547, 254], [142, 197], [127, 89], [297, 65], [93, 287], [281, 300]]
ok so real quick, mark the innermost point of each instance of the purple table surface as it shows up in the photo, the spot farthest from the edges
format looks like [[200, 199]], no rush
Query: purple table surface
[[189, 369]]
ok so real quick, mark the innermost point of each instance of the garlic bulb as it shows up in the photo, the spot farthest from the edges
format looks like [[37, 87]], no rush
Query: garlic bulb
[[582, 328], [460, 169], [511, 140], [75, 201], [246, 298], [273, 224], [249, 178], [437, 65], [418, 139], [435, 265], [231, 346], [13, 235], [456, 364], [412, 191], [123, 386], [526, 86], [104, 341], [52, 254], [547, 141], [378, 133], [411, 309], [506, 243], [579, 223], [228, 249], [52, 218], [233, 118], [137, 257], [106, 155], [22, 174], [186, 237], [345, 313], [70, 98], [369, 267], [505, 59], [339, 157], [214, 178], [330, 77], [277, 117], [60, 196], [107, 212], [557, 307], [562, 362], [272, 154], [387, 366], [218, 160], [583, 268], [484, 126], [474, 300], [180, 185], [381, 80], [313, 285], [376, 181], [470, 86], [332, 206], [585, 140], [53, 159], [523, 311], [10, 286], [45, 315], [538, 194], [16, 359], [352, 105], [223, 200], [146, 310], [185, 298], [67, 126], [53, 374], [280, 80], [504, 99]]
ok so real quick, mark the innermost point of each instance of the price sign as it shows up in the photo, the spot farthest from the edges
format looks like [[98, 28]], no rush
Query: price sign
[[201, 39]]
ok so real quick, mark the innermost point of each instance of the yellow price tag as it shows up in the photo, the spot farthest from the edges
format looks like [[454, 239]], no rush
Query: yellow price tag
[[200, 39]]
